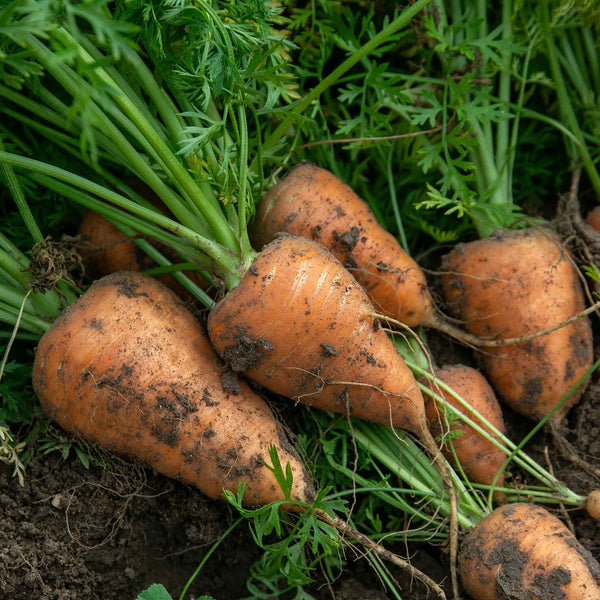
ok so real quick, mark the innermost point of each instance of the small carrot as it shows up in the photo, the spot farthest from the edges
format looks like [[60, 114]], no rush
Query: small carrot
[[516, 283], [481, 460], [593, 218], [521, 551], [105, 249], [129, 367]]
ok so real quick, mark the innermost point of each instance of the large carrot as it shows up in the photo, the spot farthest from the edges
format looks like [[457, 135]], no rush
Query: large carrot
[[312, 202], [129, 367], [522, 552], [520, 283], [300, 325]]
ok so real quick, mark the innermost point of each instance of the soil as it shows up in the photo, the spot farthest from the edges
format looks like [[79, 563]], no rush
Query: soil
[[71, 533]]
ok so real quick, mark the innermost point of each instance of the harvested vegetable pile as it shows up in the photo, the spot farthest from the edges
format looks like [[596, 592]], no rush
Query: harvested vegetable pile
[[381, 324]]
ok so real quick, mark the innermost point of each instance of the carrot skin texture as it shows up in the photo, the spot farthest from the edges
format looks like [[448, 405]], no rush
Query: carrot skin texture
[[301, 326], [480, 458], [311, 202], [129, 367], [522, 552], [515, 283]]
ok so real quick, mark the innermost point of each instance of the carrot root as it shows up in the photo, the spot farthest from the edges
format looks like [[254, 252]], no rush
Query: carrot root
[[129, 367]]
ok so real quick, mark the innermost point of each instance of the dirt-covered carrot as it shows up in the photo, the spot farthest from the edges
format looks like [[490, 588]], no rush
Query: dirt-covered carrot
[[521, 551], [300, 325], [129, 367], [481, 460], [312, 202], [517, 283]]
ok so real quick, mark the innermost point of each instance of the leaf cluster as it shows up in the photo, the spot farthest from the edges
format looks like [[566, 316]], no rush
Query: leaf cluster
[[293, 545]]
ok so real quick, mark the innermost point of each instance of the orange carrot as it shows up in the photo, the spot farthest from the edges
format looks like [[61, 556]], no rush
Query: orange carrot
[[300, 325], [480, 459], [312, 202], [592, 505], [107, 250], [522, 552], [593, 218], [128, 367], [517, 283]]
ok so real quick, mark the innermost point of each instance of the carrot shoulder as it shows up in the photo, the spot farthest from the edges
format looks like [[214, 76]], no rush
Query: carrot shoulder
[[128, 367]]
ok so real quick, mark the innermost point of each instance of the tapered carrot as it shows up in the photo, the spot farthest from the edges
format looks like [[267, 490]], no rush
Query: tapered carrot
[[517, 283], [107, 250], [312, 202], [300, 325], [129, 367], [593, 218]]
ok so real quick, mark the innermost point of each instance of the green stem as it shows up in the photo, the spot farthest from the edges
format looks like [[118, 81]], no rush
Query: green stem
[[222, 257], [496, 437], [207, 556], [210, 211], [503, 151], [247, 253], [7, 173], [566, 107]]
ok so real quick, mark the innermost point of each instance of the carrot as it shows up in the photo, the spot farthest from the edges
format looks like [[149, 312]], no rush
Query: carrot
[[312, 202], [593, 218], [592, 505], [516, 283], [522, 552], [107, 250], [480, 459], [128, 367], [300, 325]]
